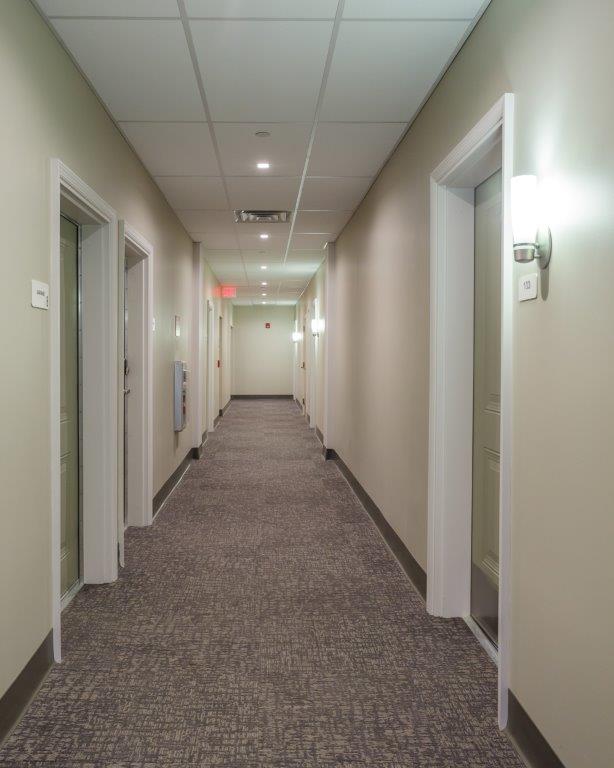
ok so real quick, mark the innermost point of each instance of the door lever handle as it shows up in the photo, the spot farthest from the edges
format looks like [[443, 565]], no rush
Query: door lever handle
[[127, 391]]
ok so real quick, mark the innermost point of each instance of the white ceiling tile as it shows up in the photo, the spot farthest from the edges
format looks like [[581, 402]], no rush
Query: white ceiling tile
[[259, 71], [263, 193], [411, 9], [136, 8], [190, 192], [140, 69], [334, 194], [214, 239], [249, 239], [215, 255], [284, 149], [255, 258], [382, 70], [173, 149], [352, 149], [311, 241], [271, 9], [206, 221], [321, 221]]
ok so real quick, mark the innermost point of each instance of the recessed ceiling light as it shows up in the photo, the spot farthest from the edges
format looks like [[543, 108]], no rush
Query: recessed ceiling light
[[263, 266], [263, 283], [262, 134], [264, 302], [264, 236], [263, 166], [263, 294]]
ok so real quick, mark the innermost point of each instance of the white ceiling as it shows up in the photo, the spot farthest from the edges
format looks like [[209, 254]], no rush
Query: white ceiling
[[335, 84]]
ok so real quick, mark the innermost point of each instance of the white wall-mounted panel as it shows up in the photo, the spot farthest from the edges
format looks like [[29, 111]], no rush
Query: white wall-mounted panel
[[173, 149], [259, 71], [382, 70], [284, 149], [264, 193], [352, 149], [140, 69], [321, 221], [334, 194], [190, 192], [271, 9], [130, 8], [411, 9]]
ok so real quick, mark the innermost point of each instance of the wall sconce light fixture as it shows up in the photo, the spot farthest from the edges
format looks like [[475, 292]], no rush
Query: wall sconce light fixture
[[532, 240], [296, 336], [317, 325]]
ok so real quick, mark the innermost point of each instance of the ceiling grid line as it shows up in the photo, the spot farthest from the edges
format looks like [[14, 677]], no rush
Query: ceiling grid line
[[327, 65], [201, 88]]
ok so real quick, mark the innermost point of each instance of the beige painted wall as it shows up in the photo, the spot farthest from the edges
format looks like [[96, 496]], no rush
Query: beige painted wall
[[49, 111], [304, 311], [557, 58], [263, 357]]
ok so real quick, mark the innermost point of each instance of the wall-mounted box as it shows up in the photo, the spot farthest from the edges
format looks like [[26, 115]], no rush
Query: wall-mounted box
[[180, 394]]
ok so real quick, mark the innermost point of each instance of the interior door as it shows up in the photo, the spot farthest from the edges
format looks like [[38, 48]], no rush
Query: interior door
[[220, 387], [69, 403], [486, 407]]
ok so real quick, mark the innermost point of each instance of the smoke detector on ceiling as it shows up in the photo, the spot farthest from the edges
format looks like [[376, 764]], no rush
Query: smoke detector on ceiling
[[262, 217]]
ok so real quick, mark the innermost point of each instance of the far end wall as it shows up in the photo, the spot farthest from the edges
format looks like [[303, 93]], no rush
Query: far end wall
[[263, 357]]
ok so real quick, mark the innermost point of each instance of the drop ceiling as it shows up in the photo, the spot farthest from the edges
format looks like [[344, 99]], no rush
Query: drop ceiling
[[332, 85]]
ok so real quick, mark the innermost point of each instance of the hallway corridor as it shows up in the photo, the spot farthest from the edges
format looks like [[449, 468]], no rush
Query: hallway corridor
[[261, 621]]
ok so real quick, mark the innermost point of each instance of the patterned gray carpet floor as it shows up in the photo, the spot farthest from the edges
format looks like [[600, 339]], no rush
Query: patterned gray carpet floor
[[262, 622]]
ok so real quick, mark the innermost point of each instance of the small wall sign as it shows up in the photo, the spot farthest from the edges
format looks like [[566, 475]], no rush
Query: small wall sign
[[527, 287], [267, 325], [40, 295]]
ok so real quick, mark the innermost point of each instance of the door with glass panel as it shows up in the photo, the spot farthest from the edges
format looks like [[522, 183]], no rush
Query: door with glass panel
[[486, 407], [69, 404]]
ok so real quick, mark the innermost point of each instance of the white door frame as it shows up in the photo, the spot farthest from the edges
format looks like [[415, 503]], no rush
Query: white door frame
[[211, 323], [140, 475], [313, 363], [196, 376], [329, 345], [99, 393], [451, 378]]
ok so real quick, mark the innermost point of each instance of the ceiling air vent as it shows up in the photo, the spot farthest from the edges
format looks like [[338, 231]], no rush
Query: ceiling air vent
[[262, 217]]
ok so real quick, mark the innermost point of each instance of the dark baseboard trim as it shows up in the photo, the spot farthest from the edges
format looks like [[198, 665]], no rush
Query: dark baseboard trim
[[216, 420], [197, 452], [296, 400], [261, 397], [203, 439], [409, 564], [15, 701], [172, 481], [319, 435], [527, 738], [225, 408]]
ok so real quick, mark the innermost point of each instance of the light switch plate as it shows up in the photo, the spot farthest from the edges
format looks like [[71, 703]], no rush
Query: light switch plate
[[40, 295], [527, 287]]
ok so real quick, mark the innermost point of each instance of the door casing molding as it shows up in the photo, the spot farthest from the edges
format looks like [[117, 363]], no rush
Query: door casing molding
[[451, 378], [140, 483], [210, 352], [100, 392]]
